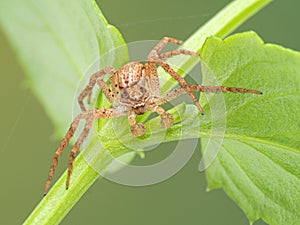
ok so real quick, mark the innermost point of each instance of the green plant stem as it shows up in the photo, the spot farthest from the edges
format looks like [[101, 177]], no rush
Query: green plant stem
[[53, 215], [54, 207], [58, 202], [222, 24], [225, 21]]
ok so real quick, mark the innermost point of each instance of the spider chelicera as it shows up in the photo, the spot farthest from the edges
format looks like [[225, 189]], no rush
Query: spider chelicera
[[134, 89]]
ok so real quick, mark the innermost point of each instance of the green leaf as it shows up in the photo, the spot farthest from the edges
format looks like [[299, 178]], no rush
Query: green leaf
[[56, 42], [258, 165]]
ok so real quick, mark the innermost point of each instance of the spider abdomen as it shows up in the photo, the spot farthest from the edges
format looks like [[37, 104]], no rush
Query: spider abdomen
[[129, 74]]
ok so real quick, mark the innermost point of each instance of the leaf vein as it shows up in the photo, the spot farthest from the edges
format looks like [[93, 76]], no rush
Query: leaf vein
[[261, 141], [265, 97], [276, 163], [251, 181]]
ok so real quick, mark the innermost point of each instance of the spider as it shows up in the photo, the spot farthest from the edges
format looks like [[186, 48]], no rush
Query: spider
[[134, 89]]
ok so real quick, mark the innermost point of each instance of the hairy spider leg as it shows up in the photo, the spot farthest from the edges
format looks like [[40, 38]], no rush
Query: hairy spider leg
[[90, 116], [155, 57], [64, 142], [76, 146], [162, 44], [174, 93], [114, 84], [167, 119], [154, 52], [182, 82], [137, 129], [96, 78], [151, 75], [175, 52], [152, 78], [109, 94]]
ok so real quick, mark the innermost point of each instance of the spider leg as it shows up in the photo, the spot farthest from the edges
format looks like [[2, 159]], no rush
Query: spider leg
[[154, 52], [153, 57], [167, 119], [61, 147], [152, 78], [137, 129], [175, 52], [150, 67], [87, 91], [90, 116], [75, 148], [109, 94], [182, 82], [174, 93], [114, 84], [95, 114], [216, 89], [169, 96]]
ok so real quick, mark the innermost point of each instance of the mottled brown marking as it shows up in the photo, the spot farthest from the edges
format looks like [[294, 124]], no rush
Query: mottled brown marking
[[129, 74]]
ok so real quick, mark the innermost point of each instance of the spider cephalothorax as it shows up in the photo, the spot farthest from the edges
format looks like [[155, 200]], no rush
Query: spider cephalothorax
[[135, 96], [133, 89]]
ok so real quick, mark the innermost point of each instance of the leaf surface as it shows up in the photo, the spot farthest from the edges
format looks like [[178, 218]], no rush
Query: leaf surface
[[64, 40], [258, 165]]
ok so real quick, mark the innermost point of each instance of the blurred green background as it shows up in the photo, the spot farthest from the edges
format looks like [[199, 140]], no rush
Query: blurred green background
[[27, 143]]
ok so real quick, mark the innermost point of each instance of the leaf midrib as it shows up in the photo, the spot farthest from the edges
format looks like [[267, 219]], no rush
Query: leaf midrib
[[237, 137]]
